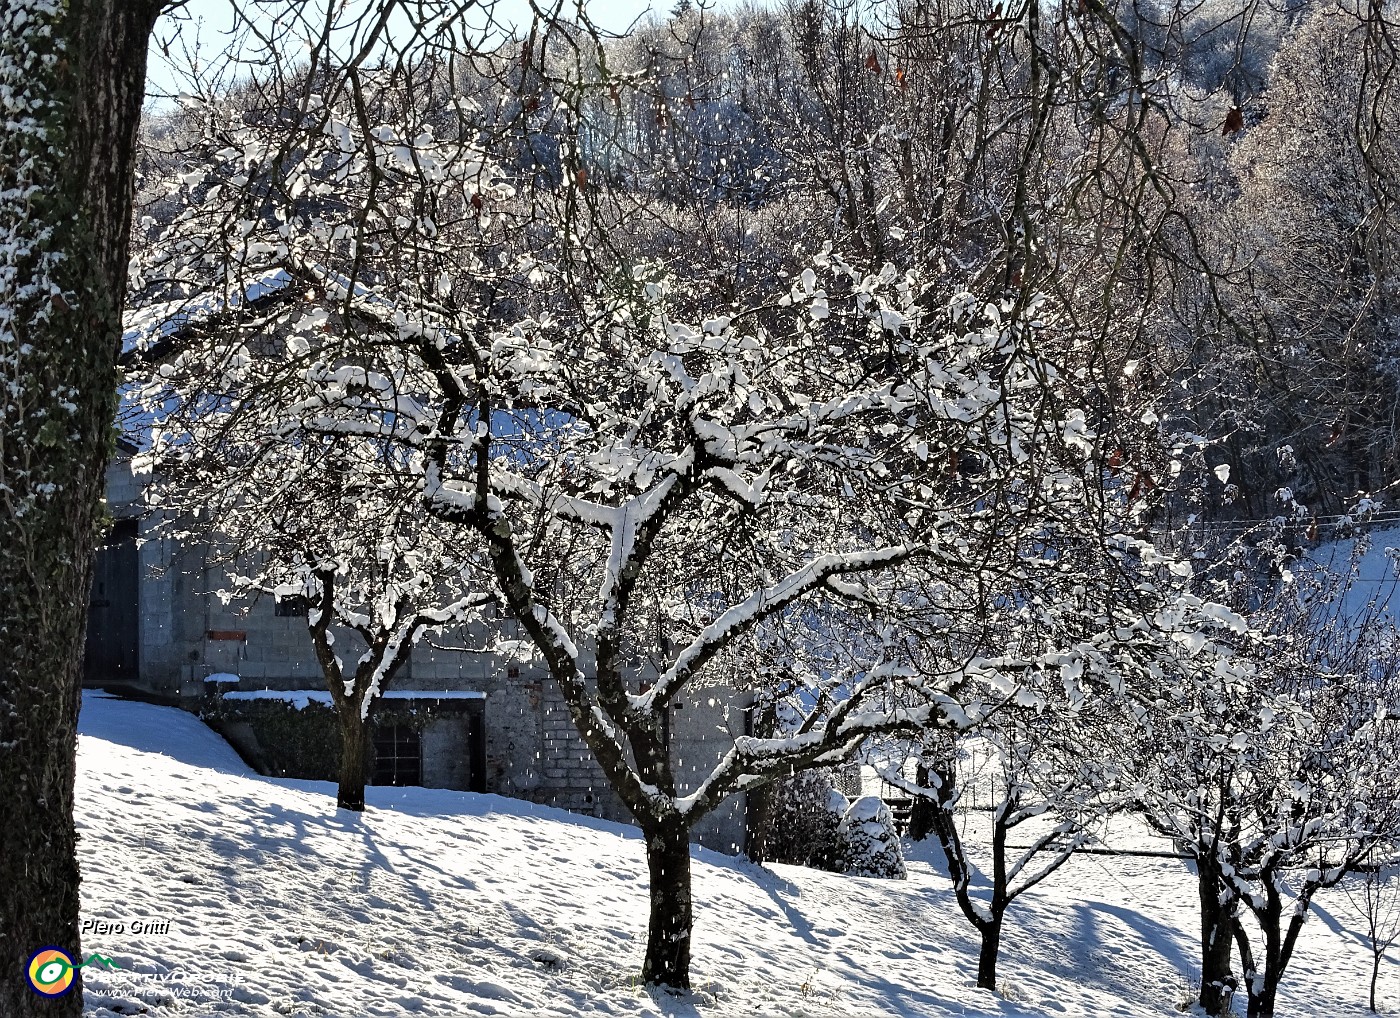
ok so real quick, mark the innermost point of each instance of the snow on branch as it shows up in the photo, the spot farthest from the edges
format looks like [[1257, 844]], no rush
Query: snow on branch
[[761, 604]]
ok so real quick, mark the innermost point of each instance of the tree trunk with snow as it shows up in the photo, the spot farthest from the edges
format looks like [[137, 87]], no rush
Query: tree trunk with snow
[[990, 927], [667, 961], [1262, 1002], [989, 952], [1279, 938], [71, 84], [354, 746], [985, 919], [1217, 981]]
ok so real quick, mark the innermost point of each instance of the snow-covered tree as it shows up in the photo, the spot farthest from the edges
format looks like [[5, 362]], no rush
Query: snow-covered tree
[[869, 841], [695, 487], [243, 362], [1268, 759], [1306, 822], [309, 515], [1044, 777]]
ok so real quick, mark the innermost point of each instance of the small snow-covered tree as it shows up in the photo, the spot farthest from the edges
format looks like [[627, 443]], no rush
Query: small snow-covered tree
[[1267, 759], [291, 515], [243, 362], [869, 841], [1041, 776], [1306, 824]]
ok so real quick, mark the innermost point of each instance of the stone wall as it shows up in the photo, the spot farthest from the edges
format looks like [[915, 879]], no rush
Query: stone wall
[[572, 778], [704, 724]]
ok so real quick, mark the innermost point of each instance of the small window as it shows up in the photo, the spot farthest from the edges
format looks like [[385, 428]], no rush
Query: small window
[[398, 756], [294, 606]]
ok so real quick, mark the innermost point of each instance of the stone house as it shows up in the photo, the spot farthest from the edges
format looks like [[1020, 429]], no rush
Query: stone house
[[454, 718]]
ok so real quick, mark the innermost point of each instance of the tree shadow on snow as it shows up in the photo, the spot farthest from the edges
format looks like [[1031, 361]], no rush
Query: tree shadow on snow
[[1112, 957]]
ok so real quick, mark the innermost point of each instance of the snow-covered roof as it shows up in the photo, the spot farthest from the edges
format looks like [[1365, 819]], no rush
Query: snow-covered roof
[[144, 327]]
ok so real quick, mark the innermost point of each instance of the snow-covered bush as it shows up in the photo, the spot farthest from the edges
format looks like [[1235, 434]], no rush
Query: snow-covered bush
[[801, 823], [870, 841]]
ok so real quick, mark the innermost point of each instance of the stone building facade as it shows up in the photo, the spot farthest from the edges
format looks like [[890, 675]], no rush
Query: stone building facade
[[464, 718]]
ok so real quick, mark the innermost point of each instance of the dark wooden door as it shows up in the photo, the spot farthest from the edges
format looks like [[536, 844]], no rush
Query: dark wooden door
[[476, 746], [111, 654]]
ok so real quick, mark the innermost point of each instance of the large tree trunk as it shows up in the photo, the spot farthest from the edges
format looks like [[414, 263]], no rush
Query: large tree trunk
[[71, 84], [668, 932], [1217, 981], [987, 956], [354, 754]]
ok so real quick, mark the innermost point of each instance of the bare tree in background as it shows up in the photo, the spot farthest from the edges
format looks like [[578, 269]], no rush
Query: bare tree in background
[[1374, 894]]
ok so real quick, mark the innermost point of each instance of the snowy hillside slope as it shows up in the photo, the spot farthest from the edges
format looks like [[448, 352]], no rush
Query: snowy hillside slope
[[1374, 578], [450, 904]]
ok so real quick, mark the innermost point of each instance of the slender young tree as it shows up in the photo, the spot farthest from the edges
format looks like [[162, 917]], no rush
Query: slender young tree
[[1040, 777], [1374, 895]]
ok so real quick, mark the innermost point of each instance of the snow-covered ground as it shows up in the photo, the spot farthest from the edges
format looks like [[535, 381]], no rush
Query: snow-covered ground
[[451, 904]]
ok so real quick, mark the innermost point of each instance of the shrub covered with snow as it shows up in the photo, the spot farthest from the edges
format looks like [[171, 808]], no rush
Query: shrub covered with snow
[[801, 825], [870, 841]]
